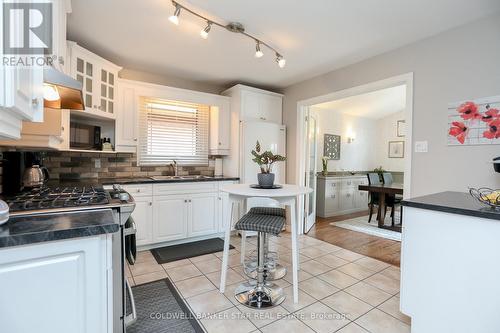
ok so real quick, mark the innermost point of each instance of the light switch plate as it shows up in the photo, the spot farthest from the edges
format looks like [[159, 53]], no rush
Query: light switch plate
[[97, 163], [421, 147]]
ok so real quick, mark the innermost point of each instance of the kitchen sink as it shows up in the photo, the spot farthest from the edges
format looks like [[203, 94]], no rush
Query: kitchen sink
[[179, 177]]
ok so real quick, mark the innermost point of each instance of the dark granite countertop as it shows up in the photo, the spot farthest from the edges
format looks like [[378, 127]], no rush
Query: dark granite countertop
[[455, 203], [147, 180], [139, 180], [22, 230]]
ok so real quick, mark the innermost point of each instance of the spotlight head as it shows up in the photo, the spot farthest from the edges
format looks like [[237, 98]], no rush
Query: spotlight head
[[258, 52], [280, 60], [204, 32], [175, 18]]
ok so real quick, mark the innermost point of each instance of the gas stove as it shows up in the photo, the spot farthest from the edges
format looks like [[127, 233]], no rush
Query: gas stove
[[53, 199]]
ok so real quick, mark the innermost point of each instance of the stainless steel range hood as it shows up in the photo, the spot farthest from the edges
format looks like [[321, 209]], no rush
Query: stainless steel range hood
[[69, 90]]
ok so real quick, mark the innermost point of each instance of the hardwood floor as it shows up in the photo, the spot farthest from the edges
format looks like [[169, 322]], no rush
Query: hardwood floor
[[382, 249]]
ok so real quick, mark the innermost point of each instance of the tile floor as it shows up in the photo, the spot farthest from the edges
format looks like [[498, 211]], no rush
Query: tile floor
[[340, 291]]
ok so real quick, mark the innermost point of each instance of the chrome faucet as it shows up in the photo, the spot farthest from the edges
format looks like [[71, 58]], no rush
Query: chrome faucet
[[174, 167]]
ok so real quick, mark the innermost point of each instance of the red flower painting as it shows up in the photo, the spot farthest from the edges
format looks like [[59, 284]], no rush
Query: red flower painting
[[488, 121], [468, 111], [493, 131], [490, 115], [459, 131]]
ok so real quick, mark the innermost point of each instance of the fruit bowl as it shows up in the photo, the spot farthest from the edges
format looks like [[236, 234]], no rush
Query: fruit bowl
[[487, 196]]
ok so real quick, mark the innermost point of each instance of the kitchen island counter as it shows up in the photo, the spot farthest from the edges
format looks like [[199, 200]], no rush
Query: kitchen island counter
[[449, 276], [23, 230]]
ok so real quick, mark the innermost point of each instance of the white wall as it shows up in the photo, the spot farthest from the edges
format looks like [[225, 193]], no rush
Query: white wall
[[358, 155], [370, 147], [387, 131], [459, 64]]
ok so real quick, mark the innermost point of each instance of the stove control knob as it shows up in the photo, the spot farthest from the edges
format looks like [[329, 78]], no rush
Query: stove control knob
[[124, 196]]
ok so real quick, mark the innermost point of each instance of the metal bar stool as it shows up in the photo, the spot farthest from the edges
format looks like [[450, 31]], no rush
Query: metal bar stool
[[272, 269], [260, 293]]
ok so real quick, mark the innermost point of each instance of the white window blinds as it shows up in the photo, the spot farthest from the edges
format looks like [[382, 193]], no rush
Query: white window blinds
[[171, 130]]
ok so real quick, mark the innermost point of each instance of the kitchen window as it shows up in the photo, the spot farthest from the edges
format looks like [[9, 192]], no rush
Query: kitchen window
[[172, 130]]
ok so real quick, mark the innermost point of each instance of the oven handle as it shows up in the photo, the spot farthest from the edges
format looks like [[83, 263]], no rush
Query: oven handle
[[132, 230], [131, 318]]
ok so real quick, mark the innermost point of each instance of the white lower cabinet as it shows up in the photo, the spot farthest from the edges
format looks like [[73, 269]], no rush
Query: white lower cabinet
[[178, 211], [143, 218], [340, 195], [170, 218], [203, 214], [56, 287]]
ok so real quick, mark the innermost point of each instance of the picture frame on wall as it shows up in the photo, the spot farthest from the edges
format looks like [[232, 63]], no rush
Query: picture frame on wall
[[396, 149], [401, 128], [331, 146]]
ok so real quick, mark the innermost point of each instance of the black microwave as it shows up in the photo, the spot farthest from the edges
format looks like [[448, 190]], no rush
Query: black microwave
[[83, 136]]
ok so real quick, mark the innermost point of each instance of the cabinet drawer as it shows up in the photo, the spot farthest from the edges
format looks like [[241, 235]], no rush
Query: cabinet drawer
[[177, 188], [346, 199], [332, 184], [139, 190], [347, 183]]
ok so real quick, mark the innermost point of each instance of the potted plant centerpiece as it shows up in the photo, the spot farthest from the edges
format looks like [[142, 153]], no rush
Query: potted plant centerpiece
[[265, 160]]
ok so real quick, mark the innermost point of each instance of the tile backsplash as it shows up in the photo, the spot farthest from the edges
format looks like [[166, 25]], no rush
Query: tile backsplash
[[74, 165]]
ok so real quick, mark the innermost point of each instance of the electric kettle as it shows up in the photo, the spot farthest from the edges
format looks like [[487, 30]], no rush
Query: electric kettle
[[35, 176]]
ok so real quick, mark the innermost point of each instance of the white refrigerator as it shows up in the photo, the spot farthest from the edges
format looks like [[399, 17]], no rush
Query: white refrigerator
[[271, 136]]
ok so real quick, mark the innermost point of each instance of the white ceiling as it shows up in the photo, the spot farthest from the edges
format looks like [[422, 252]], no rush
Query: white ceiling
[[375, 105], [314, 36]]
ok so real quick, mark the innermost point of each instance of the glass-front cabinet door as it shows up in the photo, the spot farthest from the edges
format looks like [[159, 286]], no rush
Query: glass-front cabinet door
[[85, 75], [98, 77], [107, 91]]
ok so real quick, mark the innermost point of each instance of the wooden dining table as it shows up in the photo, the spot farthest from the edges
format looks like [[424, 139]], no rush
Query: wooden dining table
[[383, 189]]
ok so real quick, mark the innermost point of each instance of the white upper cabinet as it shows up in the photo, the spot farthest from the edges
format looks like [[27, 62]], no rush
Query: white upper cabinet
[[21, 91], [99, 77], [220, 128], [126, 117], [255, 104], [60, 10]]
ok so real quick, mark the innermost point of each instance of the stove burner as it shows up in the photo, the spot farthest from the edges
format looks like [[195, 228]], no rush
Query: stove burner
[[58, 197]]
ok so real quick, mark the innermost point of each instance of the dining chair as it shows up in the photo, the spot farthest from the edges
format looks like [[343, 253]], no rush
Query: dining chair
[[387, 177], [373, 179], [394, 199]]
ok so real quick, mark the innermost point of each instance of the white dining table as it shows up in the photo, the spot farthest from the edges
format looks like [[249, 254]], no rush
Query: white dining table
[[289, 196]]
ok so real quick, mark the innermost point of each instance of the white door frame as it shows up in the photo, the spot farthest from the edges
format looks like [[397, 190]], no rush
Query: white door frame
[[303, 106], [309, 221]]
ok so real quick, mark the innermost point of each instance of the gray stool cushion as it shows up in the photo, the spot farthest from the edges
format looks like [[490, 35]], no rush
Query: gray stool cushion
[[268, 211], [271, 224]]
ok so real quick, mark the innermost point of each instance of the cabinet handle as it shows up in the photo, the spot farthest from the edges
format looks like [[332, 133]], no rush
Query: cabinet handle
[[220, 144], [185, 201], [138, 190], [151, 204], [34, 102], [220, 198], [135, 139], [262, 118]]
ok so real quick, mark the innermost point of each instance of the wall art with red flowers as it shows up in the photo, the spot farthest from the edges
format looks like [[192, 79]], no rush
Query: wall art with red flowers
[[474, 122]]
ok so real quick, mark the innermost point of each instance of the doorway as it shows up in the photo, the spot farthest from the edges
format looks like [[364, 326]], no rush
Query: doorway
[[307, 138]]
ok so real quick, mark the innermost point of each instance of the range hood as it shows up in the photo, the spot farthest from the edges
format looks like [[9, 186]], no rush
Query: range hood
[[68, 89]]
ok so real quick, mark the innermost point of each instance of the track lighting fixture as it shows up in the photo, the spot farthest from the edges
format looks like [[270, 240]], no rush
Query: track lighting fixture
[[232, 27], [204, 32], [280, 60], [258, 52], [175, 18]]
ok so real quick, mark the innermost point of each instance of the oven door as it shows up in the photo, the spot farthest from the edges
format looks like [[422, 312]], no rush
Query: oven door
[[130, 255]]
